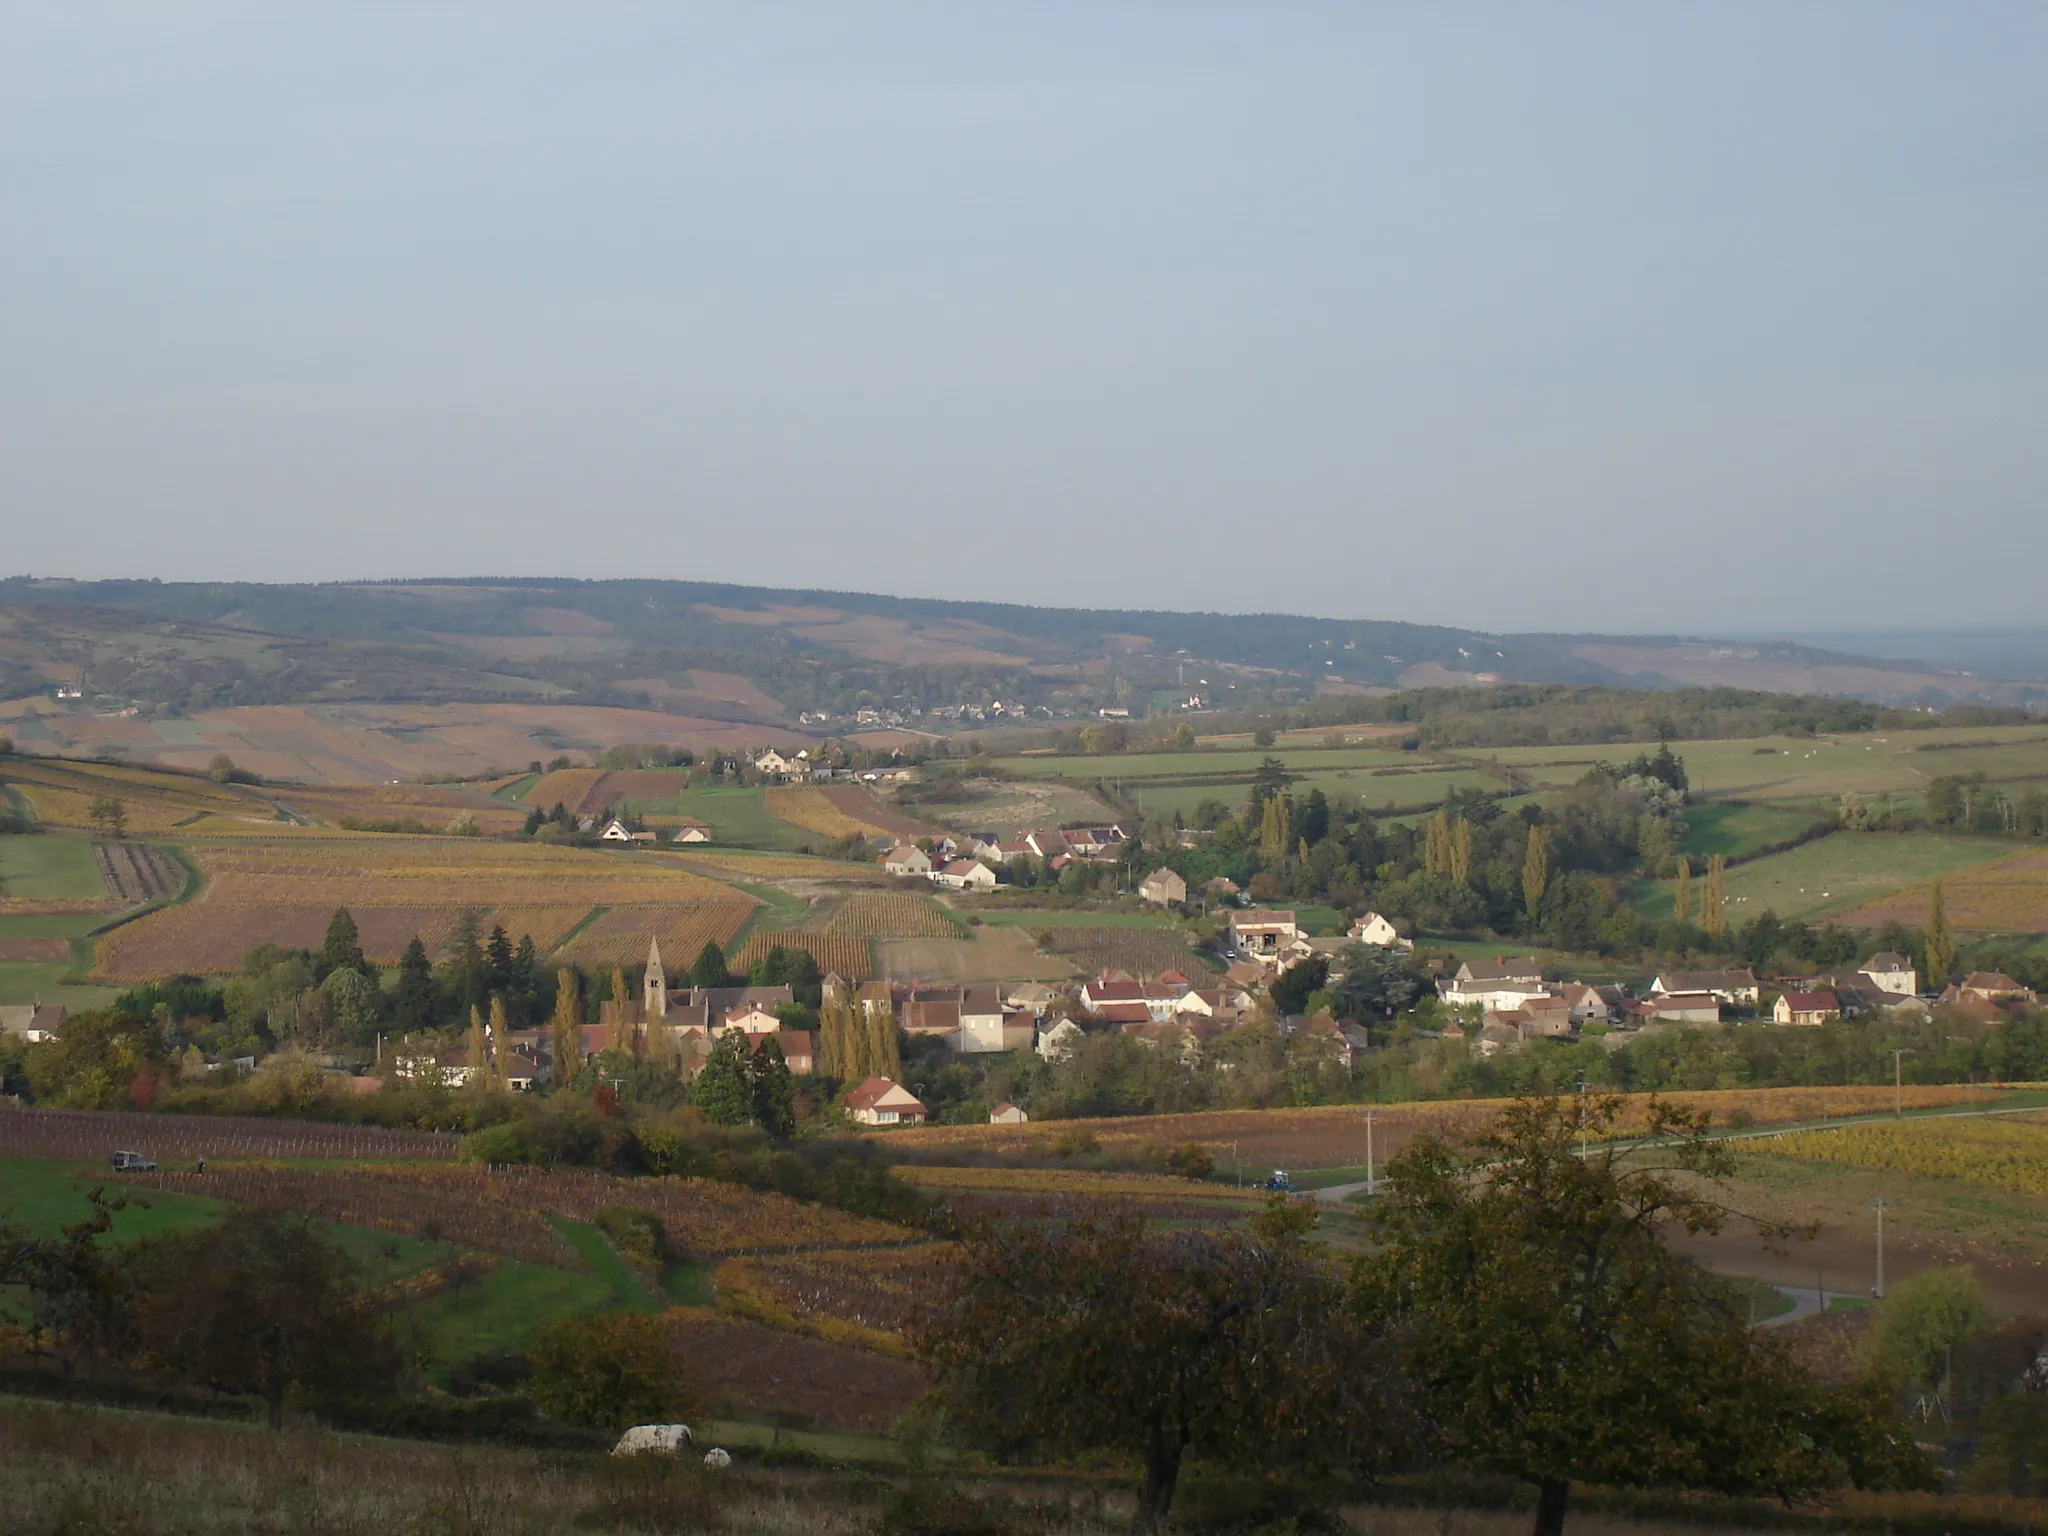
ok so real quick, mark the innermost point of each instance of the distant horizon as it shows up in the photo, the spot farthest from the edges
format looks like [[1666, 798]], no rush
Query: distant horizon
[[1469, 317]]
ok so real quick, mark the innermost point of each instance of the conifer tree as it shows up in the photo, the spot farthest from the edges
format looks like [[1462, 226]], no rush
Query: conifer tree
[[342, 949], [1535, 873], [568, 1021], [1681, 892], [772, 1090], [710, 968], [723, 1091], [414, 1006]]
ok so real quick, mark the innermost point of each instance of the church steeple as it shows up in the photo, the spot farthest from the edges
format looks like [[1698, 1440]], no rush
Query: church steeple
[[654, 990]]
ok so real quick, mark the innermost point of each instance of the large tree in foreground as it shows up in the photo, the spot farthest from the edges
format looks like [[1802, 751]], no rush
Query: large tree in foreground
[[1230, 1347], [1549, 1332]]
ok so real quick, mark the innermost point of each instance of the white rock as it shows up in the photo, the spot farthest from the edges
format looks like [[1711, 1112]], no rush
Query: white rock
[[662, 1439]]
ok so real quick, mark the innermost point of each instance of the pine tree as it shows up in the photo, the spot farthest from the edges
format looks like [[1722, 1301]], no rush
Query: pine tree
[[1461, 851], [1681, 892], [525, 979], [342, 949], [710, 969], [466, 962], [1714, 909], [568, 1022], [723, 1092], [414, 1008], [501, 1048], [498, 958], [1941, 942], [1535, 873], [772, 1090]]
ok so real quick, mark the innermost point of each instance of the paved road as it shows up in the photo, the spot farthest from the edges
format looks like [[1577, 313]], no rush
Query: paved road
[[1337, 1194], [1805, 1303]]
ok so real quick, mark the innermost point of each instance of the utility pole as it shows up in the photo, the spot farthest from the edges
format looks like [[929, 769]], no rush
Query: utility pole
[[1898, 1089], [1880, 1250], [1582, 1117], [1368, 1152]]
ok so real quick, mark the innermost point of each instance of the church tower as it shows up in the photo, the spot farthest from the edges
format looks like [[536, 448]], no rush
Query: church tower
[[654, 991]]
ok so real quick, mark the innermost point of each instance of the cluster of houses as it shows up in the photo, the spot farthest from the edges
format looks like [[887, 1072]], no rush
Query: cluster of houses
[[801, 768], [968, 863]]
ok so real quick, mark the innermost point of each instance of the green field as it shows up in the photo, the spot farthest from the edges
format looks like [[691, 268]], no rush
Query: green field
[[45, 867], [734, 813], [1821, 768], [497, 1312], [25, 983], [1841, 870], [41, 1194], [606, 1266], [1174, 765], [1427, 784], [1734, 830]]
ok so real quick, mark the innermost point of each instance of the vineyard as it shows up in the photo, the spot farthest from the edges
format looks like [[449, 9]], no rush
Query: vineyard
[[703, 1218], [62, 794], [1140, 951], [421, 1208], [93, 1134], [285, 893], [2008, 895], [1068, 1181], [433, 807], [620, 936], [777, 866], [839, 953], [862, 806], [1334, 1136], [56, 906], [546, 926], [892, 917], [35, 951], [866, 1297], [566, 787], [2008, 1152], [138, 872], [809, 808]]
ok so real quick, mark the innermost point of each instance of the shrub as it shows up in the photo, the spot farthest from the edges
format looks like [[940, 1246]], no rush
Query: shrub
[[609, 1371]]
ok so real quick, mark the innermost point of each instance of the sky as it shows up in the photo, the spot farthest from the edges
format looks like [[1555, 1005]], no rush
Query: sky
[[1621, 317]]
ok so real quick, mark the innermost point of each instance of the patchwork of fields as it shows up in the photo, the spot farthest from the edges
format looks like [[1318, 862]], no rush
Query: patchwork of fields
[[2008, 895]]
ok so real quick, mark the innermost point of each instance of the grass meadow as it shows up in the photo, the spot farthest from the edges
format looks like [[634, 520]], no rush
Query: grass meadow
[[45, 867], [1832, 874]]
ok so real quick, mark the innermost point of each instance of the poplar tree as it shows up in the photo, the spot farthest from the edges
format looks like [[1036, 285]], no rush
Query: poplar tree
[[500, 1027], [883, 1058], [1681, 892], [1461, 851], [622, 1026], [1941, 942], [479, 1055], [1535, 872], [568, 1023], [1714, 910]]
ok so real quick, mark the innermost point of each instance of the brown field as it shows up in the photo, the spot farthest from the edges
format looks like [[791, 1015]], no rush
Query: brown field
[[284, 893], [995, 954], [746, 865], [546, 926], [863, 805], [56, 906], [434, 807], [639, 784], [808, 807], [850, 957], [877, 637], [1334, 1136], [62, 794], [620, 936], [93, 1134], [1141, 951], [566, 787], [35, 951], [871, 1294], [748, 1367], [2008, 895], [373, 743], [895, 916]]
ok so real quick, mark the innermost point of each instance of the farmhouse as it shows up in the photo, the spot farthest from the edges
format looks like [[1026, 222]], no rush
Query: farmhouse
[[1892, 972], [966, 875], [1731, 987], [1683, 1008], [1007, 1113], [1992, 987], [1371, 928], [1261, 931], [1473, 974], [32, 1022], [616, 831], [907, 859], [878, 1101], [691, 832], [1806, 1008], [1163, 888]]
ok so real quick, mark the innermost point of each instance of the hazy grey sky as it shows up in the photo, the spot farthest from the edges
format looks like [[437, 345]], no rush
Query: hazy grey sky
[[1522, 316]]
